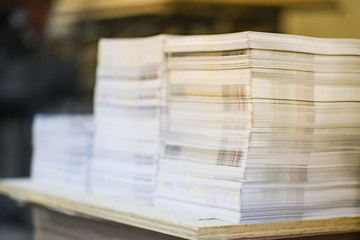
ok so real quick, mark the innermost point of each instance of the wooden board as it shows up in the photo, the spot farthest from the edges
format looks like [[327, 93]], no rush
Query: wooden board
[[160, 220], [52, 225]]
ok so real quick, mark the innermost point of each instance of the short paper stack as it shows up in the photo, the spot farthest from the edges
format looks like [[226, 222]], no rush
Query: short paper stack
[[62, 147]]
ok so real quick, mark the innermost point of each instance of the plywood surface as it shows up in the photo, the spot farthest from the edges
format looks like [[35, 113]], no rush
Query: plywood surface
[[159, 220]]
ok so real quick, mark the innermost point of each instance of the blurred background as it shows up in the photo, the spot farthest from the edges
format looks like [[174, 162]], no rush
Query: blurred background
[[48, 56]]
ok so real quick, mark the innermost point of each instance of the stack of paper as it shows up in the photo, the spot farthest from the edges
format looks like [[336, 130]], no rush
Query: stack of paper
[[62, 146], [128, 113], [262, 127]]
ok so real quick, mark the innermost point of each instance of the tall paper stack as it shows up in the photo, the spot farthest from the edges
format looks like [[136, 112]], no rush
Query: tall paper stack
[[62, 146], [262, 127], [127, 117]]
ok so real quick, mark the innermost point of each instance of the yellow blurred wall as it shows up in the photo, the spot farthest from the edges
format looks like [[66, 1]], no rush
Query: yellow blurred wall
[[342, 20]]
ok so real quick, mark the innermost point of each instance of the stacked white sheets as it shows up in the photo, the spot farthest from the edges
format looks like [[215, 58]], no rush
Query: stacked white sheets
[[62, 147], [127, 112], [262, 127]]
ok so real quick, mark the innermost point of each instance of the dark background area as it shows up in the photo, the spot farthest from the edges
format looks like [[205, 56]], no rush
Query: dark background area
[[30, 81]]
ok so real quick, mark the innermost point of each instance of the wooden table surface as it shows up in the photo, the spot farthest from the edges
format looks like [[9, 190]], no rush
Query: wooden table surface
[[164, 221]]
